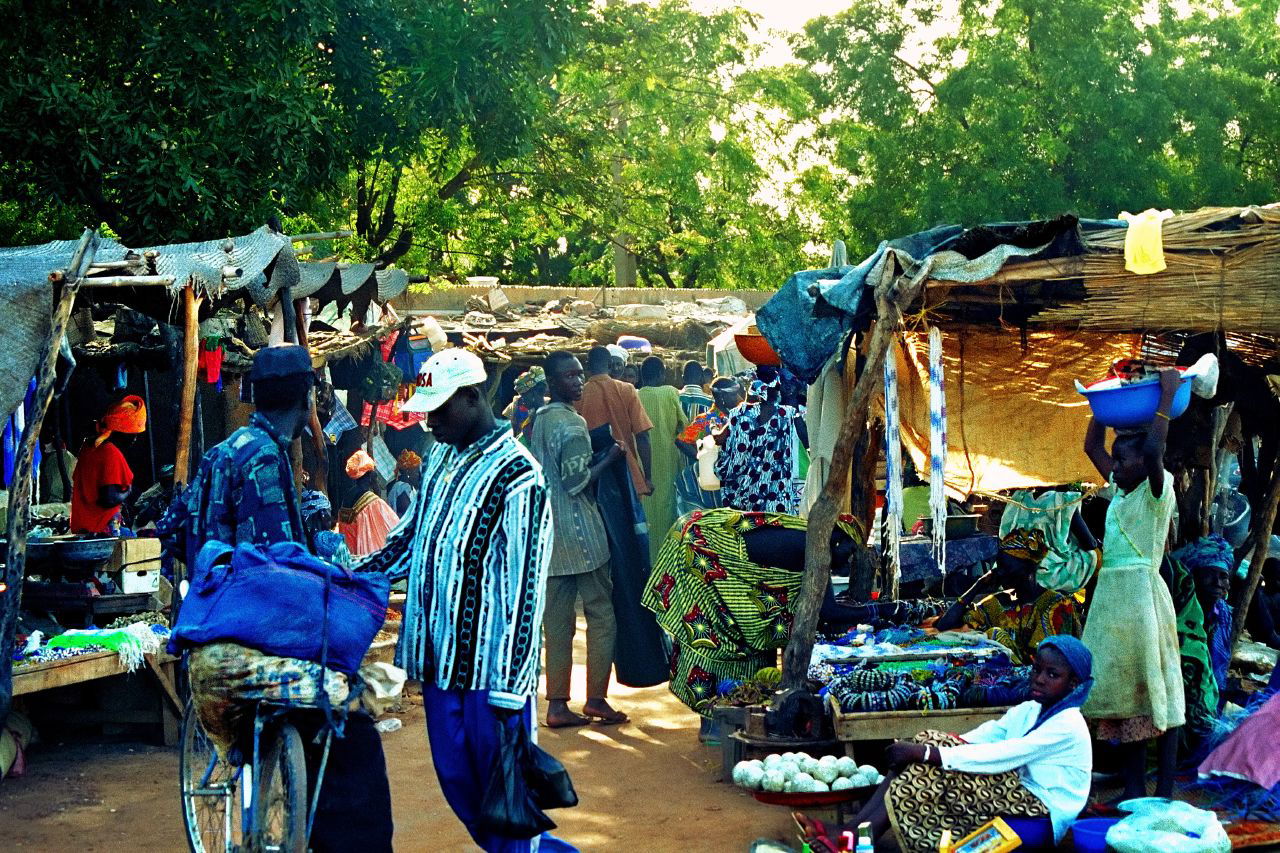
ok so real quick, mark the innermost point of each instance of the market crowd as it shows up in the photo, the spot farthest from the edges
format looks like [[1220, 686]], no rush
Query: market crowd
[[672, 514]]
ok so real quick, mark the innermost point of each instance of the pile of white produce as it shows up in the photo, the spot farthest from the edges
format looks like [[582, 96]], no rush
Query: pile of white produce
[[796, 772]]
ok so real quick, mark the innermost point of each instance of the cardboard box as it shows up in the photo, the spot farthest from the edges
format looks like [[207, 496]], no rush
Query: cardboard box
[[136, 554]]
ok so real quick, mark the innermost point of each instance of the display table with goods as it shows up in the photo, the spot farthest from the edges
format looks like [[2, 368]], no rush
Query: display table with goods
[[121, 652], [896, 682]]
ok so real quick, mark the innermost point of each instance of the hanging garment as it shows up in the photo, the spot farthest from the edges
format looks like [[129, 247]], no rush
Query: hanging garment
[[640, 649], [1144, 241]]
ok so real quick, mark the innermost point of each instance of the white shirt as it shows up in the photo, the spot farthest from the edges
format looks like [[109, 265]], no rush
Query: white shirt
[[1055, 761]]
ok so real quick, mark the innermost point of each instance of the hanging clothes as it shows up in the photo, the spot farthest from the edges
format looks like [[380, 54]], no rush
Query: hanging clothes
[[640, 651], [1144, 241]]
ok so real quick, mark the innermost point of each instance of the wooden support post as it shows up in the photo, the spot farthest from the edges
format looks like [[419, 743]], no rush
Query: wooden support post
[[20, 491], [1263, 525], [190, 362], [891, 297]]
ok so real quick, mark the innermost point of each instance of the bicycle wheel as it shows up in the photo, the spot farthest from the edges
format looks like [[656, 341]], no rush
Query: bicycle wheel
[[280, 796], [210, 809]]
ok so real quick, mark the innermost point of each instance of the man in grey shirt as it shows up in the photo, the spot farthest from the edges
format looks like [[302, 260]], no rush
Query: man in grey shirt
[[580, 549]]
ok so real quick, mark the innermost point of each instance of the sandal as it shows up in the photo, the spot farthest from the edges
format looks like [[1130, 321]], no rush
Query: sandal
[[611, 718], [810, 827]]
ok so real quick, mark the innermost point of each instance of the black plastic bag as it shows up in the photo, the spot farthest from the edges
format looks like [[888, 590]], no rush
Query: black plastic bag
[[508, 807], [548, 781]]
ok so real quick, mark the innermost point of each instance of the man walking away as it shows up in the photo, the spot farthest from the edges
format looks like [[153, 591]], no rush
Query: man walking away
[[606, 400], [693, 399], [474, 547], [243, 493], [580, 554]]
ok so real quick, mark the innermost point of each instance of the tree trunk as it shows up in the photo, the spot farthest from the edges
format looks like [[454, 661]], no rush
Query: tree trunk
[[1262, 527], [190, 361], [891, 296]]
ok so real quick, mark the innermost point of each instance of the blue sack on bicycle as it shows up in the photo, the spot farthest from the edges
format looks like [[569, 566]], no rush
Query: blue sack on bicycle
[[272, 598]]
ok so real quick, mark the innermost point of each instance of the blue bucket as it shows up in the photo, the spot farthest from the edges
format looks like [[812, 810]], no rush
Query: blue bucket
[[1134, 406], [1090, 835]]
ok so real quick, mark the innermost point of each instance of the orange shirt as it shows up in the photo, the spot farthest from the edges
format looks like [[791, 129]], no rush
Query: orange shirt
[[606, 400], [96, 467]]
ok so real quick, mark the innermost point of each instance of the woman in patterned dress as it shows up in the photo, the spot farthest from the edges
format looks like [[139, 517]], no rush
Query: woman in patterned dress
[[758, 452], [724, 586], [1035, 761], [1025, 615]]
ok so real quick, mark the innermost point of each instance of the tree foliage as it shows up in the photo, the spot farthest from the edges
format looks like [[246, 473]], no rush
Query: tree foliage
[[168, 120], [530, 139], [1025, 109]]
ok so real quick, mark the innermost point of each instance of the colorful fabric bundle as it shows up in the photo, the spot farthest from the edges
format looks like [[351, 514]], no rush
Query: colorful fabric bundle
[[1025, 543], [359, 464], [132, 643], [937, 450], [893, 470], [530, 379]]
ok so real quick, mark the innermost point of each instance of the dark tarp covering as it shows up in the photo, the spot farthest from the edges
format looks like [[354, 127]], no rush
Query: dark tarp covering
[[808, 319]]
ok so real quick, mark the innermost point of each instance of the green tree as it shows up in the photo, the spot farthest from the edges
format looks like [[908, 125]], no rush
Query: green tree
[[661, 136], [1029, 109], [174, 120]]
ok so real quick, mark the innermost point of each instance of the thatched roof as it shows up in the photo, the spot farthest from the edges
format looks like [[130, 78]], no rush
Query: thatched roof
[[1222, 274]]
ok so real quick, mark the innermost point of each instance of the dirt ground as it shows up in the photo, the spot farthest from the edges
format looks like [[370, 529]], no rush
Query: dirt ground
[[644, 785]]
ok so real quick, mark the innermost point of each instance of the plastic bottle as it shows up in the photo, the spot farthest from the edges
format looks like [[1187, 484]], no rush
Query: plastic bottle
[[864, 839]]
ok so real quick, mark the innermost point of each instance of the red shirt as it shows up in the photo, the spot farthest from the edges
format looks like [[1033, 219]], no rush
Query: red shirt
[[96, 467]]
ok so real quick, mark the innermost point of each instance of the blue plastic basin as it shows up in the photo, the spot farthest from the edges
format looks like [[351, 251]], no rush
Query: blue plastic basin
[[1090, 835], [1132, 406]]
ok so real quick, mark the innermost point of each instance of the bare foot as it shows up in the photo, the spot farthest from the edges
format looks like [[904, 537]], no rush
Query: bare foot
[[560, 717]]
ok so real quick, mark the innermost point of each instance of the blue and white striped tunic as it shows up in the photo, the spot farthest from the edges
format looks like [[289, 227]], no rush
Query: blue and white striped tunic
[[475, 548]]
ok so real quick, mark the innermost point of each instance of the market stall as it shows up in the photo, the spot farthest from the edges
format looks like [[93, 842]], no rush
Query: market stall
[[109, 306], [1023, 309]]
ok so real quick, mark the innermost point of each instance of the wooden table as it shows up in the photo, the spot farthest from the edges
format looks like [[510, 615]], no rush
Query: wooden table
[[901, 725], [106, 664]]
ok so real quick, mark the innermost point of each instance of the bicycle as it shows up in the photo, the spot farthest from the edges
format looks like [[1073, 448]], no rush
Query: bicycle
[[259, 805]]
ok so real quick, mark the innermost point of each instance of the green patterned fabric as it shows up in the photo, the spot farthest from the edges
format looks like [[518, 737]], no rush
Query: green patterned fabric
[[727, 616]]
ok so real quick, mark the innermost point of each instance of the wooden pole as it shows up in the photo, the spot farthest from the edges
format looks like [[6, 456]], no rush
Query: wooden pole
[[20, 492], [891, 296], [130, 281], [1261, 544], [190, 362], [320, 235]]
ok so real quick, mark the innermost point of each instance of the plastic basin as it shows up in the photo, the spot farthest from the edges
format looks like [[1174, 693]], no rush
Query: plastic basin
[[1090, 835], [1132, 406]]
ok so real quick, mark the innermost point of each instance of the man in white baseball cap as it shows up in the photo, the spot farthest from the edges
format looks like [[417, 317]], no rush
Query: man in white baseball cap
[[475, 547]]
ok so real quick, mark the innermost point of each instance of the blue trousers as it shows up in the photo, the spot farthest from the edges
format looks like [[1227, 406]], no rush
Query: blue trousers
[[463, 732]]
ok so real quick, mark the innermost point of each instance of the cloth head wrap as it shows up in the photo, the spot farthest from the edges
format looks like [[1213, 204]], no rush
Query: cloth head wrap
[[1208, 551], [530, 379], [129, 416], [618, 352], [1080, 660], [408, 460], [1025, 544], [359, 464], [312, 502]]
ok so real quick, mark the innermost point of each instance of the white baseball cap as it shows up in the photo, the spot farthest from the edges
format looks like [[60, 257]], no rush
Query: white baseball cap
[[442, 375]]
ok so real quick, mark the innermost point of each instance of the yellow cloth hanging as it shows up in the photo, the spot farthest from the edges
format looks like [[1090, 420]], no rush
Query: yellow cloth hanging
[[1144, 242]]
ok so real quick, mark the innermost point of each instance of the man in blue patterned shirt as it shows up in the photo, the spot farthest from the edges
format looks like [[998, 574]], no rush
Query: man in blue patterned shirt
[[244, 493], [474, 546]]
